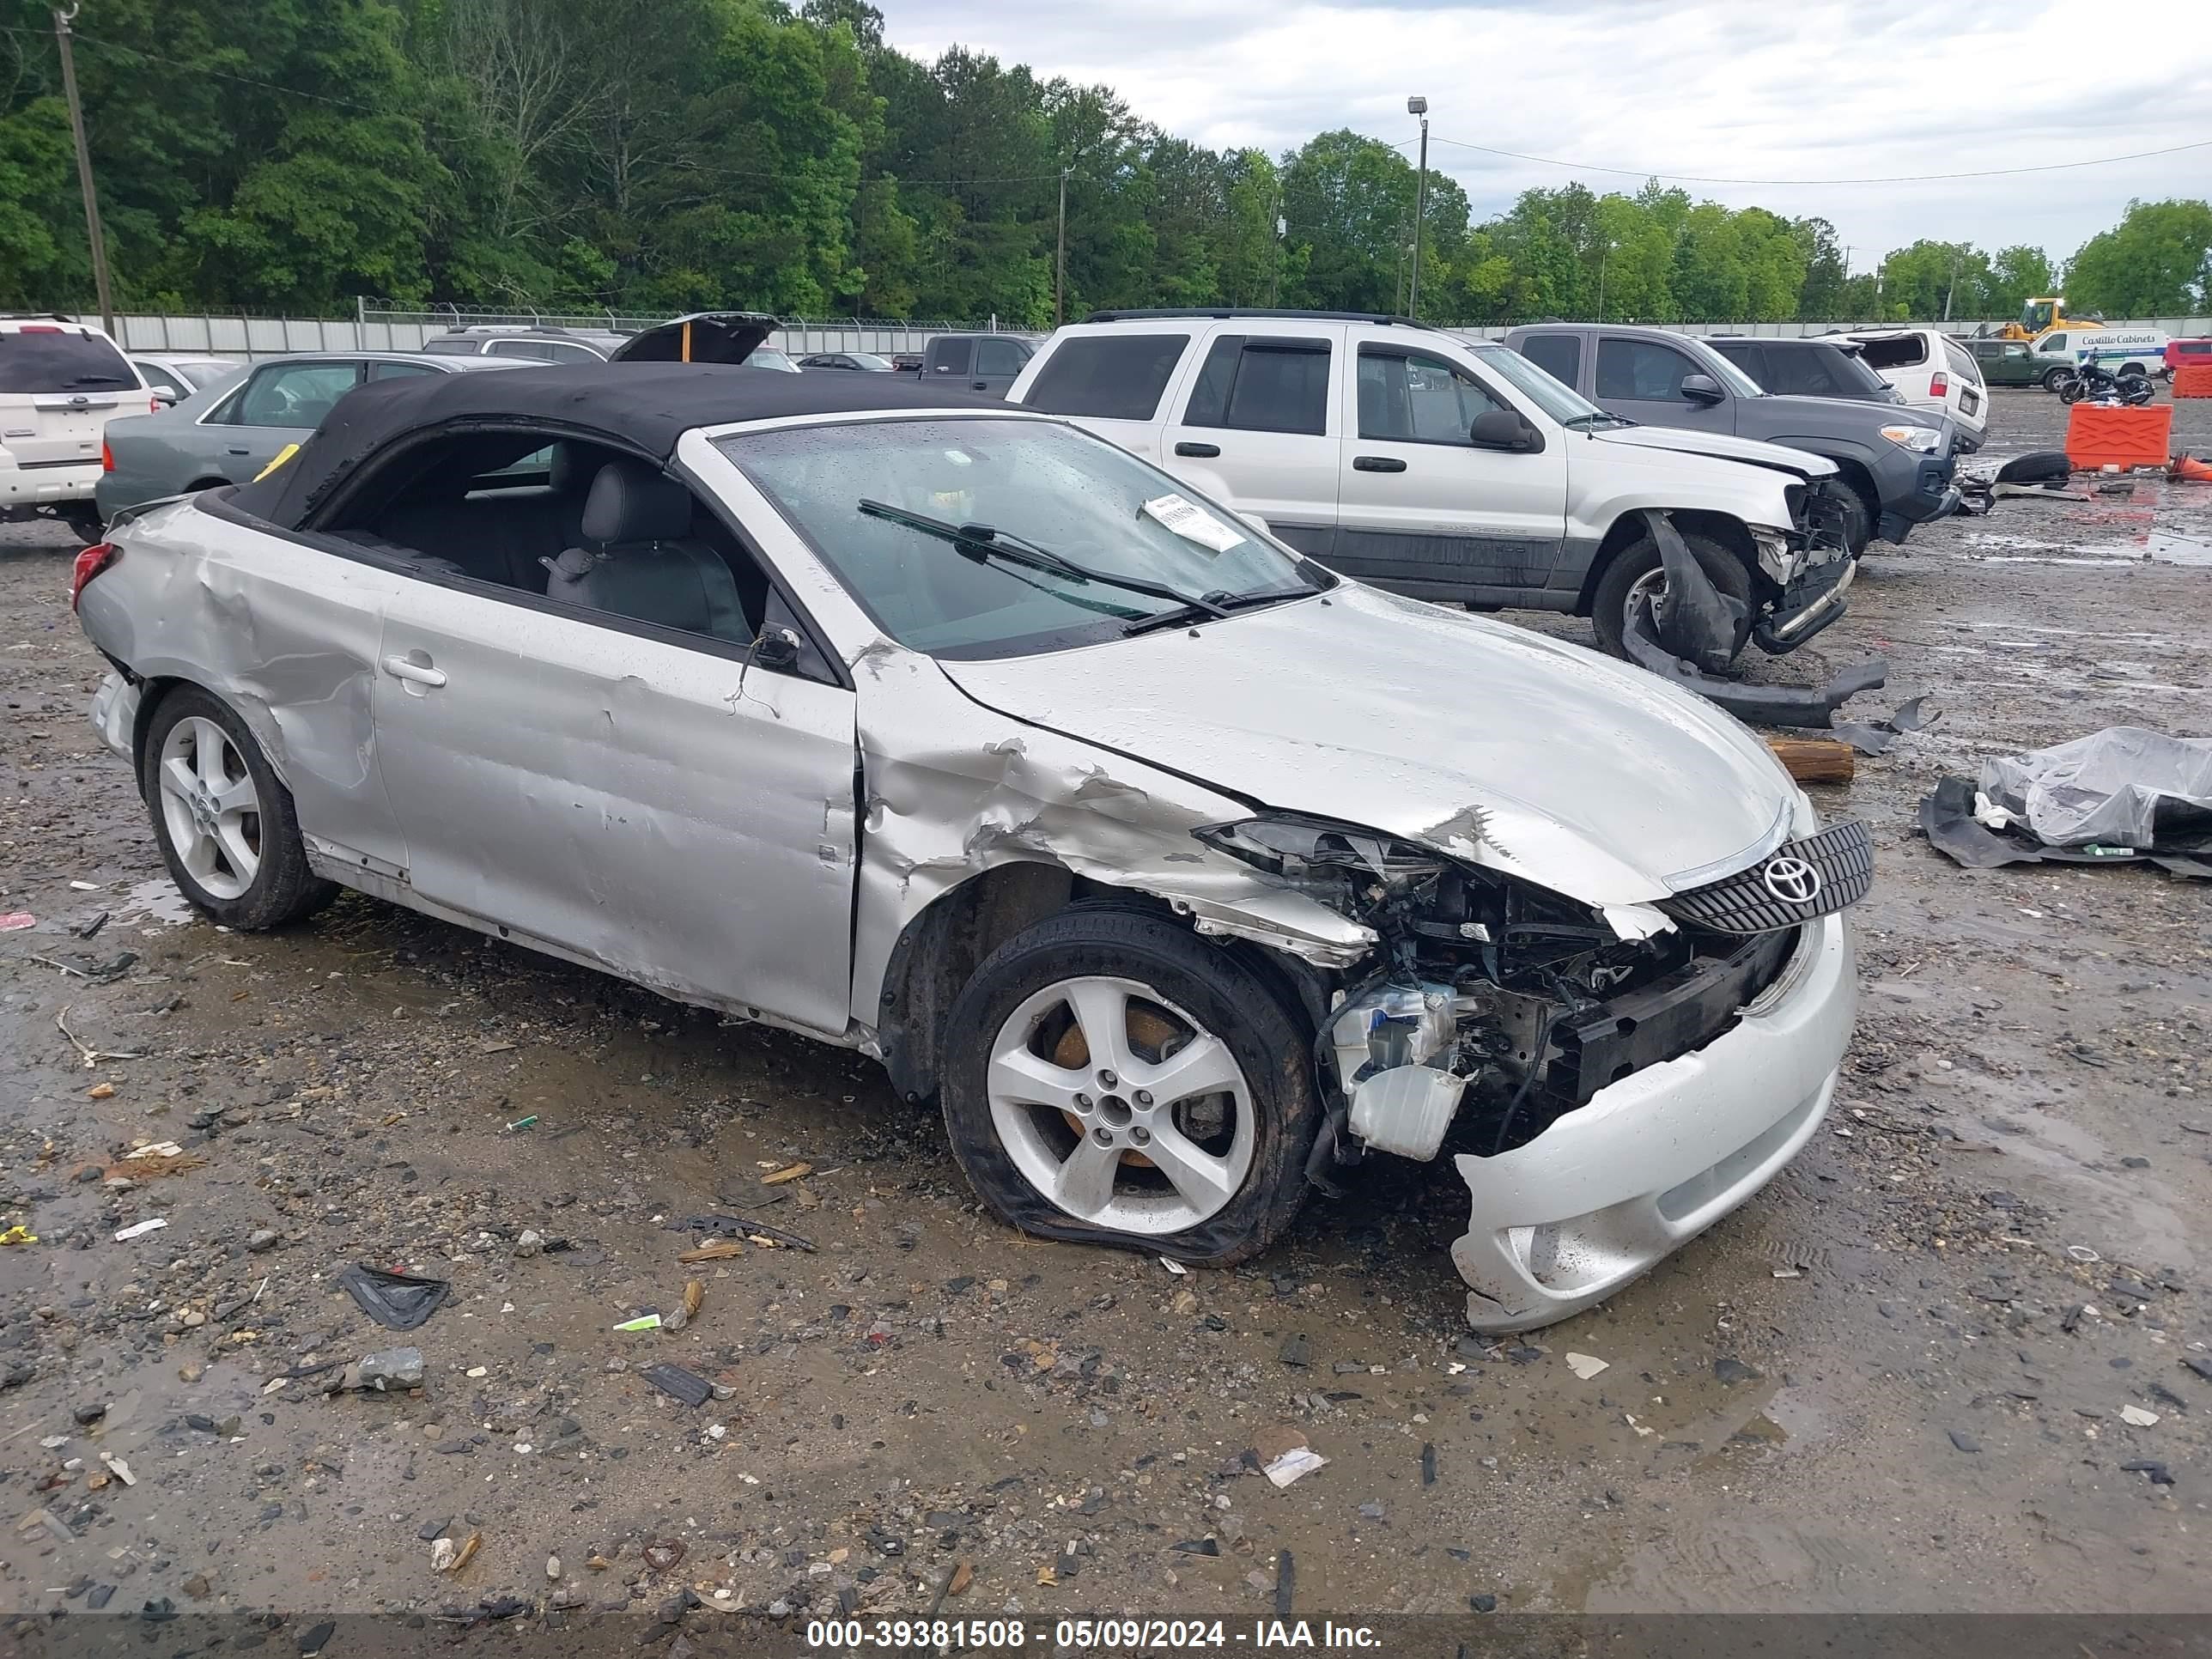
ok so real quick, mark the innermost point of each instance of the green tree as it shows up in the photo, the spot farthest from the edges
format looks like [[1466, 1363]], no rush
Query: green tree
[[2156, 262], [2016, 274]]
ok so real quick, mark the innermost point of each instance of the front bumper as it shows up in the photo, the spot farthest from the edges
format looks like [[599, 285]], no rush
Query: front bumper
[[1612, 1188], [1915, 490]]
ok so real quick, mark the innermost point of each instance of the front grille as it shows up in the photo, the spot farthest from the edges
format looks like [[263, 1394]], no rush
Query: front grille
[[1754, 901]]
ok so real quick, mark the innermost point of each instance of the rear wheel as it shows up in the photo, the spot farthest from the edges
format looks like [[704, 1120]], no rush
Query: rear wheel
[[1636, 574], [82, 521], [1111, 1077], [2055, 378], [225, 824]]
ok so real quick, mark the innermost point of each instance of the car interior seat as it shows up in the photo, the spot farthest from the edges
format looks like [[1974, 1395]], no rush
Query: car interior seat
[[643, 562]]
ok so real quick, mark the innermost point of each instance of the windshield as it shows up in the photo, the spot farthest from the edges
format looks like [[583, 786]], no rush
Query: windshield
[[868, 360], [1559, 401], [769, 357], [1053, 487], [2036, 314]]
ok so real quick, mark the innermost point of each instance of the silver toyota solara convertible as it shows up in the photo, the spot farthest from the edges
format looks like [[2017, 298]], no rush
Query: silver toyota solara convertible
[[1180, 872]]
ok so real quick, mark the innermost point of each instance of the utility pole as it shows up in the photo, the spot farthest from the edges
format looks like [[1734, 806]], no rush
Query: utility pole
[[1275, 266], [1060, 259], [1419, 106], [84, 168], [1953, 286]]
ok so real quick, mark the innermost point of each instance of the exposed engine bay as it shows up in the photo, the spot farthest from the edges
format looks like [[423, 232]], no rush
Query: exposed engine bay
[[1491, 1007]]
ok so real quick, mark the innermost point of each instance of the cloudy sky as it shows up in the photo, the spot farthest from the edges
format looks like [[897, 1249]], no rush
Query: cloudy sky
[[1784, 89]]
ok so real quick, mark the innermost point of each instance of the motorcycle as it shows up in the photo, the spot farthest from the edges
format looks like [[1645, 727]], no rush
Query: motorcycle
[[2095, 383]]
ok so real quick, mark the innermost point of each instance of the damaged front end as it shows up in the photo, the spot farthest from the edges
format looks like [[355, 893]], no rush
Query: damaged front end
[[1492, 1009]]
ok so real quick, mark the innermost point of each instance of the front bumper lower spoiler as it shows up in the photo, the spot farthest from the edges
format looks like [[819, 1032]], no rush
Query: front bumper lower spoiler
[[1613, 1187]]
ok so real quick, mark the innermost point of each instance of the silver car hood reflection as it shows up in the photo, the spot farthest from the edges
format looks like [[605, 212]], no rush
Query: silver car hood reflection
[[1523, 753]]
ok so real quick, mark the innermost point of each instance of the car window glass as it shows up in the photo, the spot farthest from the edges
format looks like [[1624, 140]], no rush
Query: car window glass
[[1410, 397], [292, 394], [54, 358], [1642, 370], [518, 348], [1559, 356], [1961, 360], [1056, 489], [949, 357], [1263, 386], [1749, 358], [1895, 351], [566, 351], [453, 345], [1115, 376], [399, 371], [2054, 343], [998, 357]]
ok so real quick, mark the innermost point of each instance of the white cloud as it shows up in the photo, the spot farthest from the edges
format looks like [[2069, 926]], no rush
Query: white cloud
[[1816, 89]]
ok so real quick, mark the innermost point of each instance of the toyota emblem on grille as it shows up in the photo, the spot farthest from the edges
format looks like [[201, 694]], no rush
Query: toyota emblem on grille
[[1791, 879]]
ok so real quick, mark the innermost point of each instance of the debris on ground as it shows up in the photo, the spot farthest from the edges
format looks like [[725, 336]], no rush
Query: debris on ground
[[1875, 736], [17, 921], [140, 1229], [398, 1302], [715, 1249], [1283, 1455], [2136, 1416], [679, 1384], [789, 1172], [388, 1371], [2120, 794], [1586, 1365], [643, 1322], [19, 1234]]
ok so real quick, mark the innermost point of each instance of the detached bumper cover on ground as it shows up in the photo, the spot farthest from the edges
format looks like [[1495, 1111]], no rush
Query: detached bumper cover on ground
[[1610, 1190]]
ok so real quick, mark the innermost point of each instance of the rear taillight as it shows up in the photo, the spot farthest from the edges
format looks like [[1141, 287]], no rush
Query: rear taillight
[[152, 405], [90, 563], [107, 458], [1939, 386]]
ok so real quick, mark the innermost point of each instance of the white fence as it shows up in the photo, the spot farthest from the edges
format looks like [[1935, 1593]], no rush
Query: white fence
[[377, 330]]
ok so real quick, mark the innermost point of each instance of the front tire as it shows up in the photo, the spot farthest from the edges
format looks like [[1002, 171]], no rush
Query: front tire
[[1636, 573], [225, 824], [1110, 1078]]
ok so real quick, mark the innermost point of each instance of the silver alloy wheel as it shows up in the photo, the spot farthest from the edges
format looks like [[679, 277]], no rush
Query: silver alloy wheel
[[1136, 1118], [1651, 585], [210, 807]]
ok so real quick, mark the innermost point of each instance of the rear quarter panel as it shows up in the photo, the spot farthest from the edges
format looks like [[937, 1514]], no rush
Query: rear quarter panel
[[285, 635]]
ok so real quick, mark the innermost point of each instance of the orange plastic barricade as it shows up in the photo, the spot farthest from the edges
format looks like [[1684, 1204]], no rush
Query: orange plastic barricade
[[2112, 435], [2193, 380]]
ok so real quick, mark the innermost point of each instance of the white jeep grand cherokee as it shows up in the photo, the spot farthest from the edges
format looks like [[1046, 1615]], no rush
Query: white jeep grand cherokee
[[1448, 470]]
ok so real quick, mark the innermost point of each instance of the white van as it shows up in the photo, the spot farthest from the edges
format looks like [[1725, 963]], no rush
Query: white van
[[1449, 469], [2123, 350], [59, 382]]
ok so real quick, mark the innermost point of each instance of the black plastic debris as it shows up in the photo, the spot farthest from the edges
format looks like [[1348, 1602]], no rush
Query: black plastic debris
[[1286, 1582], [398, 1302], [1813, 707], [1199, 1546], [1695, 620], [2159, 1473], [1874, 737], [679, 1384]]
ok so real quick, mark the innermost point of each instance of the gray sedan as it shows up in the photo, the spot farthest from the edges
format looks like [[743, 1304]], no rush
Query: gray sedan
[[226, 432]]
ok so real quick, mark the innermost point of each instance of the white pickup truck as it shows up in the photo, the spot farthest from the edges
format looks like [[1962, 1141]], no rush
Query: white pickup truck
[[1448, 470]]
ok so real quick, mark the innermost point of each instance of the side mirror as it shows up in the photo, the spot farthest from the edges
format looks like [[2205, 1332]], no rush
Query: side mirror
[[1506, 429], [164, 392], [1702, 389], [776, 648]]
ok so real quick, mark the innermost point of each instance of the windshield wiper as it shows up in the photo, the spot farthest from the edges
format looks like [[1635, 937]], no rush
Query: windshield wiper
[[95, 379], [1597, 414], [1213, 606], [983, 541]]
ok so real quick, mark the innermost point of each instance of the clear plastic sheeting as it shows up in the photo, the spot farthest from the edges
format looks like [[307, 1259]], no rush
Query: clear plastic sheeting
[[2122, 787]]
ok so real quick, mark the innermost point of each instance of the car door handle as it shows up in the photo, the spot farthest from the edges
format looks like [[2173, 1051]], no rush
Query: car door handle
[[238, 449], [1377, 464], [980, 386], [1199, 452], [405, 668]]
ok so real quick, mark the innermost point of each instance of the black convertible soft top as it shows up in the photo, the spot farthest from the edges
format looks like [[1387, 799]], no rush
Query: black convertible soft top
[[645, 407]]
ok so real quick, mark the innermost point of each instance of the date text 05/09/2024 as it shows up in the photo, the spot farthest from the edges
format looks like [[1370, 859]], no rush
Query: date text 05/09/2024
[[1082, 1635]]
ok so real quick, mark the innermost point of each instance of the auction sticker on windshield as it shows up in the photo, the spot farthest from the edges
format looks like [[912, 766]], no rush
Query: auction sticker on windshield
[[1192, 522]]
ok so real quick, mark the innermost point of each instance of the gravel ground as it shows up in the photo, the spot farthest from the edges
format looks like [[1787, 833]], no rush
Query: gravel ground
[[1917, 1373]]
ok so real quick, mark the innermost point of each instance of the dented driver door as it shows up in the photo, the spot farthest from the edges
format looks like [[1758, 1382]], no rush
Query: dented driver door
[[628, 795]]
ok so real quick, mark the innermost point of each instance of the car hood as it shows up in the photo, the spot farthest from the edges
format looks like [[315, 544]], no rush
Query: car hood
[[704, 337], [1802, 463], [1585, 776]]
